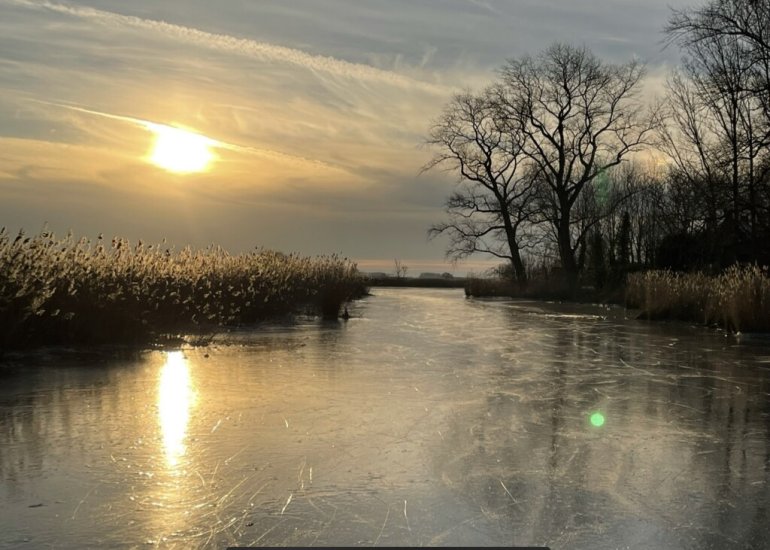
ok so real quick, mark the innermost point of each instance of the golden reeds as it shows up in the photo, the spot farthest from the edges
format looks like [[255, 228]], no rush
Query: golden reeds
[[738, 299], [63, 291]]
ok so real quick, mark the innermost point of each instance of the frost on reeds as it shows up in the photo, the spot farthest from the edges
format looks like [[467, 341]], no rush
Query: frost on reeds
[[68, 291], [738, 299]]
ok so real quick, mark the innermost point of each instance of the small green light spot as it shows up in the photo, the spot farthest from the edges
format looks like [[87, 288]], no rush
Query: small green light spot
[[597, 419]]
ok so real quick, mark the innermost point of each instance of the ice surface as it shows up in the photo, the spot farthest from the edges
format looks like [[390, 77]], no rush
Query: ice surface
[[426, 419]]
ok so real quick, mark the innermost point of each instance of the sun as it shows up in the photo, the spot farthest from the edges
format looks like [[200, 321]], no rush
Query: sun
[[180, 151]]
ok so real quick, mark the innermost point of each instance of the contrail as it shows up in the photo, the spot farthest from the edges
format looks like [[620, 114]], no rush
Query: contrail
[[243, 46]]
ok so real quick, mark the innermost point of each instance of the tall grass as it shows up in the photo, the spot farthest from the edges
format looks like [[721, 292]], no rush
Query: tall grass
[[68, 291], [540, 288], [478, 287], [738, 299]]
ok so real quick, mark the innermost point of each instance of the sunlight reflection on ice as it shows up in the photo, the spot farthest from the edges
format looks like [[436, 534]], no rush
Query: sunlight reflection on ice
[[175, 397], [197, 454]]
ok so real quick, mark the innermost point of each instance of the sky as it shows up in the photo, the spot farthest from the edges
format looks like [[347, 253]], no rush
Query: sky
[[315, 112]]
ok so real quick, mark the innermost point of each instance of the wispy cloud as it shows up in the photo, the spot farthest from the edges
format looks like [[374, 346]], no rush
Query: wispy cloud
[[318, 108], [156, 126], [242, 46], [486, 6]]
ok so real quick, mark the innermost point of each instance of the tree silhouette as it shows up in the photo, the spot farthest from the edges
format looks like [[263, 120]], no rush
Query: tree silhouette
[[577, 117]]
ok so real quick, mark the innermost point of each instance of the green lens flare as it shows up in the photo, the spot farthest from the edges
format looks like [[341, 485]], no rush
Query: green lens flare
[[597, 419]]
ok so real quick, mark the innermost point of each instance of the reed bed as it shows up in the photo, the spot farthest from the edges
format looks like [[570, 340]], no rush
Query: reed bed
[[76, 291], [738, 299], [478, 287], [535, 289]]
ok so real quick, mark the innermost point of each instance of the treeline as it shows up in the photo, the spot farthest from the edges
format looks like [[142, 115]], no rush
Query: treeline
[[416, 282], [66, 291], [564, 171]]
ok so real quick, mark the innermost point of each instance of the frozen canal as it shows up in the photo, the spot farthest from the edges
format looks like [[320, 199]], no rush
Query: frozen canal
[[427, 419]]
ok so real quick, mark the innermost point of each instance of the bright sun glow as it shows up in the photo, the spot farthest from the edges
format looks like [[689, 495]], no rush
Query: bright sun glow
[[175, 398], [180, 151]]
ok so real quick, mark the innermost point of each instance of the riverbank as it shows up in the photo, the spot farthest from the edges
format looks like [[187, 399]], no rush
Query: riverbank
[[543, 290], [738, 300], [416, 282], [78, 292]]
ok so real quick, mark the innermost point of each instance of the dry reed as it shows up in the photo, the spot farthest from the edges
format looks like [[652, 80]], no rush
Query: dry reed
[[68, 291], [738, 299]]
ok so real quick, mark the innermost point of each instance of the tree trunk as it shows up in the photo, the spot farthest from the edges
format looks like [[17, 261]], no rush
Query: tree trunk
[[513, 246], [518, 269], [566, 254]]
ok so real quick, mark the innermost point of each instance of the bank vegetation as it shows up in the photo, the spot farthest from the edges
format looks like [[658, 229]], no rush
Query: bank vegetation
[[580, 185], [68, 291]]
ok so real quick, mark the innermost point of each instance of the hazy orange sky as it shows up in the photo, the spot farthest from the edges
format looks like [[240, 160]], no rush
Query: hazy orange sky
[[318, 109]]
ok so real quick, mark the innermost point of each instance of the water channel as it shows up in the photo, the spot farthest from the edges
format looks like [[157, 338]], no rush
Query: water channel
[[426, 419]]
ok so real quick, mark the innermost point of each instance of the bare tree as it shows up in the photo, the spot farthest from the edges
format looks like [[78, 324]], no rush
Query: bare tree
[[746, 21], [728, 96], [401, 269], [646, 193], [576, 116], [489, 211], [690, 141]]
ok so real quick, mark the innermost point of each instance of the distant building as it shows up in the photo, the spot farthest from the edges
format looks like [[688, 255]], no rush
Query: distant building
[[378, 275]]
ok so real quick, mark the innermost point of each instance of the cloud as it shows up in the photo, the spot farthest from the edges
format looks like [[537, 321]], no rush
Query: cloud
[[486, 6], [322, 107], [243, 46], [155, 127]]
